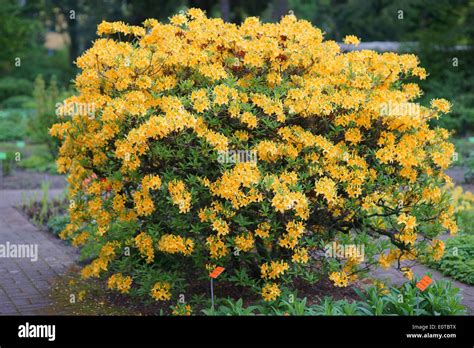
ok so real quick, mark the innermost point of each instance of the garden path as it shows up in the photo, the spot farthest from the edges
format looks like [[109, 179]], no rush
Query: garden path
[[25, 282]]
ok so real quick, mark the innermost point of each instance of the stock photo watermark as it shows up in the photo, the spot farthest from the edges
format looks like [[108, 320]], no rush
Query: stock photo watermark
[[400, 109], [76, 109], [237, 156], [344, 251], [19, 251]]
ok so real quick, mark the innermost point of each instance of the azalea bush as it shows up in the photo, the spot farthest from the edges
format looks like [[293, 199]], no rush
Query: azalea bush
[[337, 152]]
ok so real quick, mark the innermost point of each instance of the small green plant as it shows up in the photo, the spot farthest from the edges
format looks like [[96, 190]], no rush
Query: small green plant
[[6, 165], [440, 298], [57, 223], [230, 307], [38, 163], [293, 306]]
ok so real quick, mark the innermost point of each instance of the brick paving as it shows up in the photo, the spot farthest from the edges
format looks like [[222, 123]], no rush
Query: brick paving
[[24, 283]]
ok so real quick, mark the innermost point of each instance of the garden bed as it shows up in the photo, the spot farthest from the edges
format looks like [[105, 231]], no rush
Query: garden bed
[[28, 180]]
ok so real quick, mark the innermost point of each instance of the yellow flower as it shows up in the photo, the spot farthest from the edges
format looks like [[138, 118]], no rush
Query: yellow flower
[[351, 40], [441, 105], [300, 256], [273, 270], [217, 247], [172, 244], [244, 242], [178, 19], [161, 291], [353, 136], [340, 279], [144, 243], [179, 195], [119, 282], [263, 230], [408, 221], [407, 272], [270, 292], [200, 100], [437, 247], [327, 188]]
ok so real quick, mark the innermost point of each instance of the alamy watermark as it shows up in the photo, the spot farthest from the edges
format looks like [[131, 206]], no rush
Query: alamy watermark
[[344, 251], [237, 156], [400, 109], [22, 251], [76, 109]]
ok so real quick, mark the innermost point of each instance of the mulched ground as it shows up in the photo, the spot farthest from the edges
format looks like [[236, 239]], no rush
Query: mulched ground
[[98, 300]]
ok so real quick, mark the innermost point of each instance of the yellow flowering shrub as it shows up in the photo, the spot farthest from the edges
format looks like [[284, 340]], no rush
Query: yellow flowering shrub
[[343, 153]]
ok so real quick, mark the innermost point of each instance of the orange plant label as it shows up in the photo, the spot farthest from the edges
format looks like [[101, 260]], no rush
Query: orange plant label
[[424, 283], [215, 273]]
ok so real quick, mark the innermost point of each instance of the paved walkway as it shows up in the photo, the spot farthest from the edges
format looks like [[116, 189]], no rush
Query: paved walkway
[[24, 283]]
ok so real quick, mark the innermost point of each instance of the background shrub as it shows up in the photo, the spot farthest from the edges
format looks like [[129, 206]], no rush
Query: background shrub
[[10, 87]]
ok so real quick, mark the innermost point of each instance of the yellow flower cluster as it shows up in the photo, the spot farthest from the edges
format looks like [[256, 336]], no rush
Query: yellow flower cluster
[[263, 230], [245, 175], [462, 200], [294, 231], [441, 104], [180, 196], [327, 188], [340, 279], [273, 270], [386, 260], [144, 243], [300, 256], [244, 242], [437, 249], [200, 100], [100, 264], [161, 291], [270, 292], [172, 244], [286, 199], [217, 247], [351, 40], [407, 235], [120, 282]]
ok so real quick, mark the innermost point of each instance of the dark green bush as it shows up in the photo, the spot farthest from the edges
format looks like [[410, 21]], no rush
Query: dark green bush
[[18, 102], [10, 87], [57, 223], [38, 163], [13, 125]]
